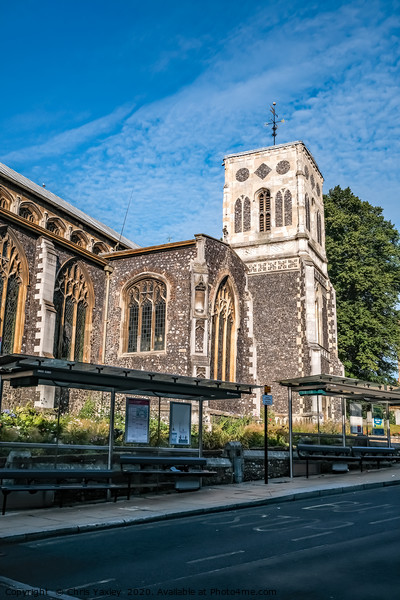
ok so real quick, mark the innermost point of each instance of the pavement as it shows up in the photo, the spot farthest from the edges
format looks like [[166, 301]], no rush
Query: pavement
[[26, 524]]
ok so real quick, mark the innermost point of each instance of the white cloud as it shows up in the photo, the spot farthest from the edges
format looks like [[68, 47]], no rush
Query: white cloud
[[335, 77]]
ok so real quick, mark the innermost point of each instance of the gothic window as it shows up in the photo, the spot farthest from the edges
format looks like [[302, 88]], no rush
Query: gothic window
[[319, 228], [319, 315], [288, 208], [264, 203], [29, 212], [278, 210], [242, 215], [55, 226], [99, 247], [79, 238], [13, 282], [223, 347], [146, 301], [238, 216], [73, 300], [5, 202], [246, 214], [308, 218]]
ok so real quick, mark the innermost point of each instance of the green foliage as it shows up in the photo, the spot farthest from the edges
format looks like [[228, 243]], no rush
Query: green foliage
[[363, 251]]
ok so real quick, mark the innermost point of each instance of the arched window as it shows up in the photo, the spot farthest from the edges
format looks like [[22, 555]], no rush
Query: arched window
[[13, 282], [100, 247], [5, 199], [288, 208], [246, 214], [242, 214], [223, 347], [319, 228], [79, 238], [318, 315], [278, 210], [146, 302], [29, 212], [55, 225], [264, 203], [73, 301], [308, 218], [238, 216]]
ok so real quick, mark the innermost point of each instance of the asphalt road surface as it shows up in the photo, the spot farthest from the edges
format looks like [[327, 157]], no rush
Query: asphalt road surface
[[340, 547]]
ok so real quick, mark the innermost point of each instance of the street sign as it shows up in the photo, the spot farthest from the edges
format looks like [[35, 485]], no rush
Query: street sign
[[267, 400], [312, 393], [267, 389]]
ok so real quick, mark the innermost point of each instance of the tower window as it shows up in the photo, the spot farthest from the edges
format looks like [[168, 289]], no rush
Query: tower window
[[308, 219], [288, 208], [264, 203]]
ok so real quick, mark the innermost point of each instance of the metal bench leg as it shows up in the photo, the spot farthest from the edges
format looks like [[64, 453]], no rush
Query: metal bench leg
[[5, 494]]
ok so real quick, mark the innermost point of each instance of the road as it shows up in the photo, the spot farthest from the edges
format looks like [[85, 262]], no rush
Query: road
[[338, 547]]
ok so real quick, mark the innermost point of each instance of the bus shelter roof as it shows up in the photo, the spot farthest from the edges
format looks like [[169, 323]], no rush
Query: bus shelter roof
[[25, 371], [345, 387]]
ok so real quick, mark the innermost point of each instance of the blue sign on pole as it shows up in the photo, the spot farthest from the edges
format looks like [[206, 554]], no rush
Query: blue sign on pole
[[267, 400]]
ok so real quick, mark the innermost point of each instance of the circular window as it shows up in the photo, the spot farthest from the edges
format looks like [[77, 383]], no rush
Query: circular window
[[282, 167], [242, 174]]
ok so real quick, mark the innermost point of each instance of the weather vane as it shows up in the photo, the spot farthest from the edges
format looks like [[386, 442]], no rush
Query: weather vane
[[274, 122]]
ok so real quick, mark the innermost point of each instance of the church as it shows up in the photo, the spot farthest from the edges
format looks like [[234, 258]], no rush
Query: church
[[256, 306]]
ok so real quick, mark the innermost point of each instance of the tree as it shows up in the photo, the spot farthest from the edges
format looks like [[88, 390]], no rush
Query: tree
[[363, 251]]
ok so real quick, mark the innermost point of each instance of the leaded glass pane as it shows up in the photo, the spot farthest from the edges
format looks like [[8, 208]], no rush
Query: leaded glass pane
[[10, 315], [67, 329], [80, 331], [133, 327], [145, 334], [227, 376], [58, 302], [159, 329]]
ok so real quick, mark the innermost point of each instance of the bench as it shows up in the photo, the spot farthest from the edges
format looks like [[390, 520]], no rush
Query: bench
[[345, 454], [375, 454], [185, 471], [57, 480], [337, 454]]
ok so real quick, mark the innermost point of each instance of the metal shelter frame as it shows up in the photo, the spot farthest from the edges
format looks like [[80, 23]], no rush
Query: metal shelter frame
[[27, 371], [339, 387]]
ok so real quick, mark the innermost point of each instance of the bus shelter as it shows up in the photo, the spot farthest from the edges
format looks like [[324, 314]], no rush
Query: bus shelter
[[339, 387], [31, 371]]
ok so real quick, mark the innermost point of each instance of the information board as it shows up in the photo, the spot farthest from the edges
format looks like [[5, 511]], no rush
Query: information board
[[137, 418]]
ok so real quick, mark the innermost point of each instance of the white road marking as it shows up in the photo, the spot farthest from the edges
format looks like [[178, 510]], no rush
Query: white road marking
[[307, 537], [197, 560], [383, 520]]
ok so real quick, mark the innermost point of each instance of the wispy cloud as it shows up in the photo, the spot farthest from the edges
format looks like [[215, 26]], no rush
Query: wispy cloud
[[335, 76]]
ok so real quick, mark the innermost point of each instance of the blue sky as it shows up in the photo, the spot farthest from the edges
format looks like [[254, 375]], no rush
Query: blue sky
[[110, 100]]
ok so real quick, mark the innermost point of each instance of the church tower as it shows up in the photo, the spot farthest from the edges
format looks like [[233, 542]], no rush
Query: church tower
[[273, 217]]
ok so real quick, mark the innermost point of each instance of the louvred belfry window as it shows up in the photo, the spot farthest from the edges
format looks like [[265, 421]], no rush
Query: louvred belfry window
[[147, 300], [12, 294], [264, 203], [72, 302], [223, 348]]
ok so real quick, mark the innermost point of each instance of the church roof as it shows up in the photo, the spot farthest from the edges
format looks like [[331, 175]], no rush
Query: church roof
[[59, 203]]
